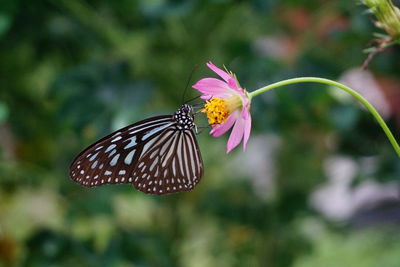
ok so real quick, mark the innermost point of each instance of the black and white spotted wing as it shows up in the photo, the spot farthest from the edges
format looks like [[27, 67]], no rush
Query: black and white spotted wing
[[158, 155]]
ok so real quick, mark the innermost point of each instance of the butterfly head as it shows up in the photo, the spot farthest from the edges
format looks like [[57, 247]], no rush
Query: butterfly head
[[184, 117]]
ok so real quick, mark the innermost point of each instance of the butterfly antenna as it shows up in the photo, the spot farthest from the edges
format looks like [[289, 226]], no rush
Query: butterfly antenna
[[194, 98], [188, 82]]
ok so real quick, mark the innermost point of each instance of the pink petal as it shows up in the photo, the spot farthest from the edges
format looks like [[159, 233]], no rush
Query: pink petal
[[222, 128], [236, 134], [247, 129], [206, 97], [218, 71], [214, 87], [234, 86], [245, 113]]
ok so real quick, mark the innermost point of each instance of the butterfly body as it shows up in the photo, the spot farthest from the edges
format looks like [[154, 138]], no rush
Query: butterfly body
[[158, 155]]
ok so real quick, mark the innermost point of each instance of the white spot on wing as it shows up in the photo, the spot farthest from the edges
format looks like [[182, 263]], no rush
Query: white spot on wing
[[173, 167], [94, 164], [153, 164], [112, 146], [114, 161], [116, 139], [112, 152], [117, 133], [131, 143], [129, 157]]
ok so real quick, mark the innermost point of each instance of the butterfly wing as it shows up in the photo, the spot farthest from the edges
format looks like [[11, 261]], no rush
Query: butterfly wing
[[172, 164], [112, 159]]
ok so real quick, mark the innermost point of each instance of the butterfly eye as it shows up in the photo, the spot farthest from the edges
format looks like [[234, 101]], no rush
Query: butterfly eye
[[187, 109]]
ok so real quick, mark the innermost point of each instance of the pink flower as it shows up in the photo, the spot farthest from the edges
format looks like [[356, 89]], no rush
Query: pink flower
[[227, 105]]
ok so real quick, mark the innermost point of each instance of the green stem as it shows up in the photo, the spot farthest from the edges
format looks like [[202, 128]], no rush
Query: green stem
[[341, 86]]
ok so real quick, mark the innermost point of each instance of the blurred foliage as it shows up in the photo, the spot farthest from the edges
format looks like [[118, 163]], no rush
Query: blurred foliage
[[72, 71], [369, 248]]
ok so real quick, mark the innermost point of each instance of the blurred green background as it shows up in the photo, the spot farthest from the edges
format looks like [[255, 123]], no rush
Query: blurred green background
[[318, 185]]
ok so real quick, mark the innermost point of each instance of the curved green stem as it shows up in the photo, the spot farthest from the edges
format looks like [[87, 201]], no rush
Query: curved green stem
[[343, 87]]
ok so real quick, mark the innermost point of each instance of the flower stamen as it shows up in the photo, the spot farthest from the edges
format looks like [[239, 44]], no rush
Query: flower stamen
[[216, 110]]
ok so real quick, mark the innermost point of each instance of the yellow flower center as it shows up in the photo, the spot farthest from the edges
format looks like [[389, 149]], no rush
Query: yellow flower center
[[218, 109]]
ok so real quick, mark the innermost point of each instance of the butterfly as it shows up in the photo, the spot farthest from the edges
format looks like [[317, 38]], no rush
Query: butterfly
[[158, 155]]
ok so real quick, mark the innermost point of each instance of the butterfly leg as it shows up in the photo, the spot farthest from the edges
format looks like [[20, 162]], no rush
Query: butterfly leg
[[202, 128]]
